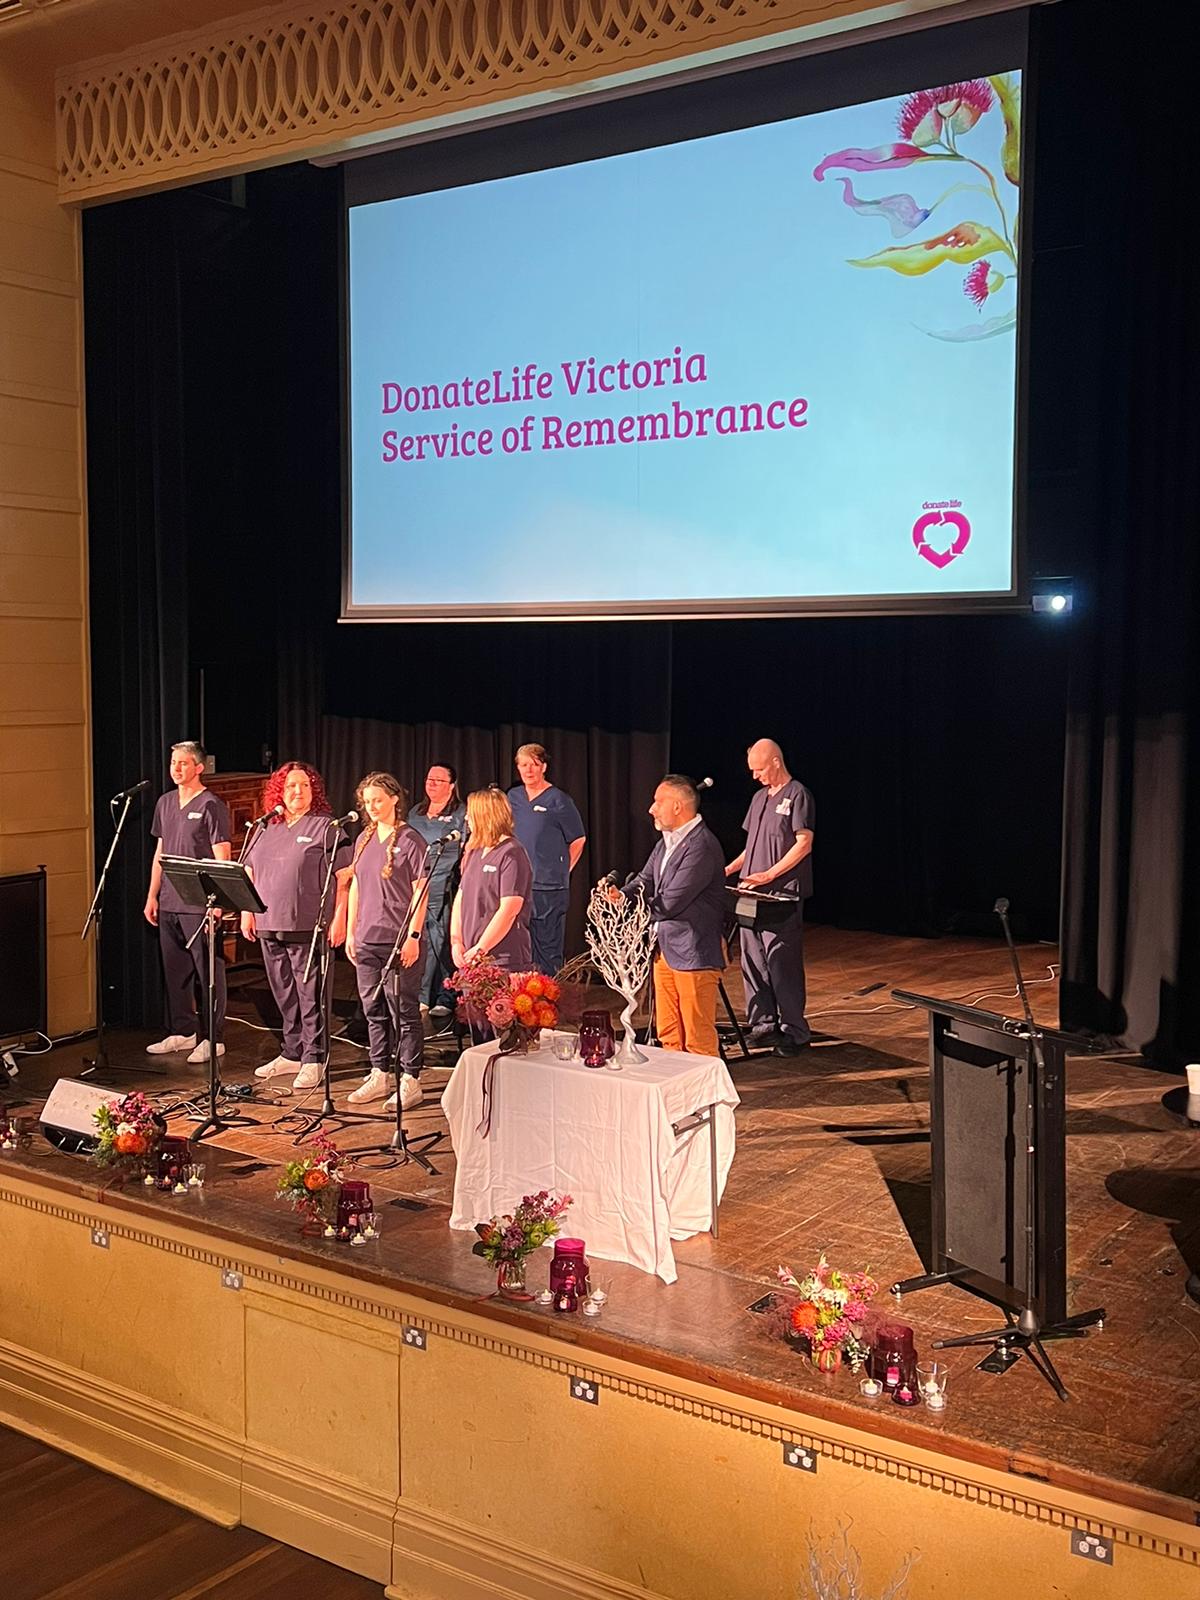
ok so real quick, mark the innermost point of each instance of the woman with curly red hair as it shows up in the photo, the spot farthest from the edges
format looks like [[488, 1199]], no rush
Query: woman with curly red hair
[[288, 862]]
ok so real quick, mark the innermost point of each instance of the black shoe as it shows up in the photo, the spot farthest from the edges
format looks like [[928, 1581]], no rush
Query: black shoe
[[762, 1033], [788, 1046]]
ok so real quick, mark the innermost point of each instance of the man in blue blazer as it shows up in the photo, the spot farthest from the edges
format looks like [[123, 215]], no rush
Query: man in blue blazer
[[684, 885]]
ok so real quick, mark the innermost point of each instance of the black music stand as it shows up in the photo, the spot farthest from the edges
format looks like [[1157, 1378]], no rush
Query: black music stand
[[209, 886], [997, 1124]]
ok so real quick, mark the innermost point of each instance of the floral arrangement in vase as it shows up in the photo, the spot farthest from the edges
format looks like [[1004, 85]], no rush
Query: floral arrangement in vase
[[309, 1181], [506, 1241], [517, 1005], [128, 1133], [828, 1313]]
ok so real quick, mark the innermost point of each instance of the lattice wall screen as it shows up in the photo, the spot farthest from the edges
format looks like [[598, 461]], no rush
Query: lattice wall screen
[[291, 83]]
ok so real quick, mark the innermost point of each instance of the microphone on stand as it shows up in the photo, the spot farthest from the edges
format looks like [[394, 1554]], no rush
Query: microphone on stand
[[134, 788], [275, 811], [341, 822], [705, 783], [611, 880], [450, 838]]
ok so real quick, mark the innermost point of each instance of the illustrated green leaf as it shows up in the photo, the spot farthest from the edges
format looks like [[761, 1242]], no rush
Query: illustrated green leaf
[[975, 330], [963, 244], [1009, 95]]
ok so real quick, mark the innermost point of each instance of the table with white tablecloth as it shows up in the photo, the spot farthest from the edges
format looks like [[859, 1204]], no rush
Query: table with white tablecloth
[[644, 1152]]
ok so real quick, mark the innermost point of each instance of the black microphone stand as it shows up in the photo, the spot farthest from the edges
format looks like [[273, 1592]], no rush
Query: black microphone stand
[[100, 1062], [1027, 1332], [322, 951], [400, 1147]]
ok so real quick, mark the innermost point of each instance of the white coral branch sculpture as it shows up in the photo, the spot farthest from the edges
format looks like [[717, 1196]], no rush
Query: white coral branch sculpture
[[620, 937]]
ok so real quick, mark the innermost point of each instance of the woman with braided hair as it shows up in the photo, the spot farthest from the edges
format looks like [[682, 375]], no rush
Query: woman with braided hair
[[388, 898]]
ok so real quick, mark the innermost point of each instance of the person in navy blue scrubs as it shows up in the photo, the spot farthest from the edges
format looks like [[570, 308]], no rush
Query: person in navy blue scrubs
[[289, 860], [188, 821], [548, 825], [387, 902], [442, 811], [777, 856]]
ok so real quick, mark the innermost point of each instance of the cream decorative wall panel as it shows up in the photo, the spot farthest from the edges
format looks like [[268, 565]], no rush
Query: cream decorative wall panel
[[45, 756], [291, 82]]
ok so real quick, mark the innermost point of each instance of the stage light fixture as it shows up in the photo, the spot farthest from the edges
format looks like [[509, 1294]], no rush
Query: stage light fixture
[[1053, 595]]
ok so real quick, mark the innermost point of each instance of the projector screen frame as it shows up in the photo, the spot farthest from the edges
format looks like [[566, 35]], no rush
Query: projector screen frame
[[490, 147]]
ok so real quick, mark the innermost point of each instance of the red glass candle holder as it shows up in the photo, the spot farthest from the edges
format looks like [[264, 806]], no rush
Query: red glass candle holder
[[569, 1261]]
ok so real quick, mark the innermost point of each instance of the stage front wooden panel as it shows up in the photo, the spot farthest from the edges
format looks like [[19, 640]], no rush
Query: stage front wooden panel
[[439, 1444]]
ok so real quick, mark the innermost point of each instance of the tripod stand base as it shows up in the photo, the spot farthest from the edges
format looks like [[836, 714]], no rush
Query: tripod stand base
[[1024, 1336], [214, 1123]]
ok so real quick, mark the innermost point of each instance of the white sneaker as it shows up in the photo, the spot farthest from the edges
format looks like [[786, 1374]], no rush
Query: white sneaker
[[281, 1067], [411, 1093], [200, 1053], [309, 1076], [172, 1043], [377, 1085]]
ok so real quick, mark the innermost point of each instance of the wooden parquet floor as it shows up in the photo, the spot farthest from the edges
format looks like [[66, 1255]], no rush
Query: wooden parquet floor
[[71, 1532]]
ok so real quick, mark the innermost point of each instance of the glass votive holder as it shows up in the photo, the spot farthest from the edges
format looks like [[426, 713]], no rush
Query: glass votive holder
[[931, 1384], [592, 1307], [194, 1175], [546, 1298], [369, 1223], [565, 1046], [870, 1388]]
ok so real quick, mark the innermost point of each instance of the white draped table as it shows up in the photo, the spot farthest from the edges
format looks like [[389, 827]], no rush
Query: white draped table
[[643, 1152]]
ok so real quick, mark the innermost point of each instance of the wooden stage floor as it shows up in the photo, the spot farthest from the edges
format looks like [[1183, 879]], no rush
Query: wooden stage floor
[[832, 1156]]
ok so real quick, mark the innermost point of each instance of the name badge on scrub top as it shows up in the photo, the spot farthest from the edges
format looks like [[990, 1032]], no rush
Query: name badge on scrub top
[[303, 838], [784, 808], [539, 808], [491, 869], [194, 816]]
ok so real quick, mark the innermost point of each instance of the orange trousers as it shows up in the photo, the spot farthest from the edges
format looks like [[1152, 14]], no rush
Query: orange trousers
[[685, 1009]]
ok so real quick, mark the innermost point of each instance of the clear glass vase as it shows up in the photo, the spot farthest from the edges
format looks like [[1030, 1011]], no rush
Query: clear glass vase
[[510, 1280]]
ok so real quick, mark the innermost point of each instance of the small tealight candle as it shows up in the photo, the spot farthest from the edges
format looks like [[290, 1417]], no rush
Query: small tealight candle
[[545, 1298], [180, 1187], [600, 1296], [359, 1238], [934, 1398], [871, 1387], [905, 1395], [148, 1180], [591, 1308], [330, 1231]]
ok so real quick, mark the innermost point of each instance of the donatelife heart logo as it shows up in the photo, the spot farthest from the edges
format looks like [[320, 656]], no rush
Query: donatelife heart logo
[[934, 519]]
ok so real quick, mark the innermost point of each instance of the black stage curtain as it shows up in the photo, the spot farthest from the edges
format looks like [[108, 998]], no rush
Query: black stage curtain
[[1130, 927], [137, 512]]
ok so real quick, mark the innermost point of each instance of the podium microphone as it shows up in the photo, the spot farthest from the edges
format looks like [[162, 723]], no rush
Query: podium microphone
[[341, 822], [705, 783], [275, 811]]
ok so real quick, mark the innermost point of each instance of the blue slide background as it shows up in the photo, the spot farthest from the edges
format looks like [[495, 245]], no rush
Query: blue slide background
[[724, 245]]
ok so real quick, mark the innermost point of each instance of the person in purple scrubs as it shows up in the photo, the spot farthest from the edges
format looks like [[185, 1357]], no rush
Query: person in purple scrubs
[[778, 855], [188, 821], [288, 861], [492, 908], [388, 900], [547, 823]]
